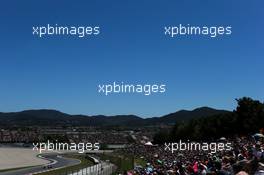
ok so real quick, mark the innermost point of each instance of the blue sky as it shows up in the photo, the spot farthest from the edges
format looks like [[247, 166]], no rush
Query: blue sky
[[63, 72]]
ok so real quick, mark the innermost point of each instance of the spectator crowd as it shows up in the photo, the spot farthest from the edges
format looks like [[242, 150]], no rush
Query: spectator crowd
[[245, 158]]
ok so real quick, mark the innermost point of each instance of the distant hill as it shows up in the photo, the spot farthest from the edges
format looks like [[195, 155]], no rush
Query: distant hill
[[45, 117], [187, 115]]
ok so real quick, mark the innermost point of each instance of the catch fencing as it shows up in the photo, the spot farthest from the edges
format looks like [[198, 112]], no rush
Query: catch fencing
[[103, 168]]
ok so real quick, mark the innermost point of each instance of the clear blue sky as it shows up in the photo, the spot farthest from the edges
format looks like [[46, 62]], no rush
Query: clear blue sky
[[63, 73]]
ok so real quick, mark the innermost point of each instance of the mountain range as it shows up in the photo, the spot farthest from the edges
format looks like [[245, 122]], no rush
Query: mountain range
[[46, 117]]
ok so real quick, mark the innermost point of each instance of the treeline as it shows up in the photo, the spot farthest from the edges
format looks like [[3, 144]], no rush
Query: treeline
[[247, 118]]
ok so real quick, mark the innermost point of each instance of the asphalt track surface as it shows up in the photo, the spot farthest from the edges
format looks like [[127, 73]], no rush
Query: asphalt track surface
[[58, 162]]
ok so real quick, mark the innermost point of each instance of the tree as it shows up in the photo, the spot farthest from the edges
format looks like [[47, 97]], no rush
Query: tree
[[250, 115], [248, 118]]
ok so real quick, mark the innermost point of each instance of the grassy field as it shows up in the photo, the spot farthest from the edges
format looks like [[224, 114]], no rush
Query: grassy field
[[84, 163], [140, 162], [122, 162]]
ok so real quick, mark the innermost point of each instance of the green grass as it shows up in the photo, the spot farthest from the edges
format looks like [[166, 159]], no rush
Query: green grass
[[122, 162], [84, 163], [140, 161]]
